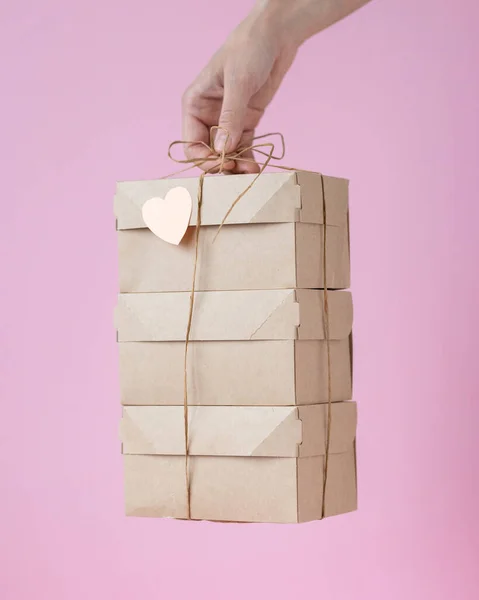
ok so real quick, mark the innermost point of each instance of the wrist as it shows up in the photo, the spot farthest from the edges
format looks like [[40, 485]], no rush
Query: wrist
[[291, 21]]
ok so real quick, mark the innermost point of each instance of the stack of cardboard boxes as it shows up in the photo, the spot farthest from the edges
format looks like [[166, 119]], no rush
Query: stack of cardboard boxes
[[257, 369]]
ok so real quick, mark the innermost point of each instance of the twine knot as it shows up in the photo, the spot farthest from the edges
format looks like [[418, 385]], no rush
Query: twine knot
[[218, 159]]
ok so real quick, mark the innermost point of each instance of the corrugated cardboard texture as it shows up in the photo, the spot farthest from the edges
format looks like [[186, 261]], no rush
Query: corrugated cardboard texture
[[269, 373], [284, 197], [238, 430], [240, 315], [270, 256], [261, 490]]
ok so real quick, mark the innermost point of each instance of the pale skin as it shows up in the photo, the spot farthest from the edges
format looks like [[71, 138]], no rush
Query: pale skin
[[237, 85]]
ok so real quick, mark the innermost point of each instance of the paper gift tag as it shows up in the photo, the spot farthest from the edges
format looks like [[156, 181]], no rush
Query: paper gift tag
[[168, 218]]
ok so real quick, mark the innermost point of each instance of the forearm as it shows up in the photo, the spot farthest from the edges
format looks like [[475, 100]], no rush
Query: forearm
[[301, 19]]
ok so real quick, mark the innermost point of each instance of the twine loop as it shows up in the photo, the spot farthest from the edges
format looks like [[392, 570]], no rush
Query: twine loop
[[224, 157]]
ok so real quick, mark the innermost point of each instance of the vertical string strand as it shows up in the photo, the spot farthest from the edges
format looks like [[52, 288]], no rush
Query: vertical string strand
[[328, 350], [187, 339]]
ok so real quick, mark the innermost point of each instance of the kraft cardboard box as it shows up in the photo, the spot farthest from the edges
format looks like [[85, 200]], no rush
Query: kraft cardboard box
[[248, 347], [283, 197], [273, 238], [264, 372], [256, 344], [257, 251], [246, 464], [246, 257], [239, 315]]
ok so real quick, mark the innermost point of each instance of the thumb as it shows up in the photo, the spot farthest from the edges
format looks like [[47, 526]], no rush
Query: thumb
[[233, 116]]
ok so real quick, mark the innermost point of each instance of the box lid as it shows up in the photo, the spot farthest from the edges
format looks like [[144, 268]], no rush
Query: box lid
[[282, 197], [274, 431], [233, 315]]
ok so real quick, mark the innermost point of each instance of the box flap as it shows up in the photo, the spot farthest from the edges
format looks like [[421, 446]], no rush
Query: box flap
[[282, 197], [311, 306], [336, 192], [238, 430], [233, 315], [314, 419]]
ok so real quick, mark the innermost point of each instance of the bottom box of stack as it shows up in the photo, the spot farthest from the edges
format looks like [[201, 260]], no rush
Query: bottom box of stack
[[246, 463]]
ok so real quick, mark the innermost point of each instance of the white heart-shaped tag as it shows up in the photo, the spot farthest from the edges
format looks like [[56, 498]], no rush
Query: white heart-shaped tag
[[168, 218]]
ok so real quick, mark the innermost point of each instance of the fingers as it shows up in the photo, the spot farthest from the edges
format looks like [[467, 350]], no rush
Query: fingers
[[249, 165], [237, 94], [247, 162], [232, 133], [197, 134]]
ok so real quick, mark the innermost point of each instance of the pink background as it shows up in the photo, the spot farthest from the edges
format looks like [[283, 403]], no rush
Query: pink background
[[91, 94]]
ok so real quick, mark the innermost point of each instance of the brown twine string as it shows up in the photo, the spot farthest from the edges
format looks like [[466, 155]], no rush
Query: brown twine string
[[328, 353], [223, 159], [188, 330]]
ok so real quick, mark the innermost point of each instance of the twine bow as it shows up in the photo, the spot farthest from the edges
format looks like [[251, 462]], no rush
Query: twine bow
[[219, 160]]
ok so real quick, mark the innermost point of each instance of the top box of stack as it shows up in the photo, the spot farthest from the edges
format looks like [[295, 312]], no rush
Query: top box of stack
[[273, 238]]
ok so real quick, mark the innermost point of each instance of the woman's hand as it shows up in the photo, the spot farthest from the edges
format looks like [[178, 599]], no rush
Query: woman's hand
[[236, 86], [239, 82]]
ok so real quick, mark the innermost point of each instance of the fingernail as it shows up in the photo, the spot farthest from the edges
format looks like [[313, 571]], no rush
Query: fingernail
[[220, 141]]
